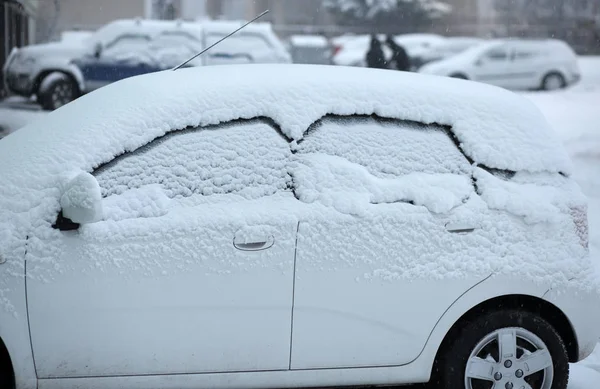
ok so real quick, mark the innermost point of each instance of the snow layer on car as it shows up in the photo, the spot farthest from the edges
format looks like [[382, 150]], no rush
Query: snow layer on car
[[494, 127], [348, 187]]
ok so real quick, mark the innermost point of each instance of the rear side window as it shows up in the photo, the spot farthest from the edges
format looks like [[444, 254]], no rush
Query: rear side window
[[386, 148], [248, 158]]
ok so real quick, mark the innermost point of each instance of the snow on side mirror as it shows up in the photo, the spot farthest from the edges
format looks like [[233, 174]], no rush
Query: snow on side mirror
[[81, 201]]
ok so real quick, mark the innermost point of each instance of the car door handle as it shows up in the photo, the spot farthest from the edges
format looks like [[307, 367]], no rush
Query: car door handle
[[254, 244], [459, 228]]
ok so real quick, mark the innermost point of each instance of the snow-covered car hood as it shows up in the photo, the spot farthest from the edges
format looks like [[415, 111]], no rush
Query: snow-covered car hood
[[69, 50]]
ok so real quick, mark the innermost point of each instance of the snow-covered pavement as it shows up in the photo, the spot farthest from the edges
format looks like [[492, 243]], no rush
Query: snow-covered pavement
[[575, 115]]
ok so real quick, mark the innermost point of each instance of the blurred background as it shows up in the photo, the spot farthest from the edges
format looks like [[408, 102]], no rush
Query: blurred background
[[25, 22]]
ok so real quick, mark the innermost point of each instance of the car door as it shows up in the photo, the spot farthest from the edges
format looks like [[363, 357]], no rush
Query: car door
[[527, 66], [189, 272], [493, 67], [381, 262], [126, 56]]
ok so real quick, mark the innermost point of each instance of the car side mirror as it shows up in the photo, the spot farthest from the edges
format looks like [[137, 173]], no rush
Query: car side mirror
[[81, 201], [98, 50]]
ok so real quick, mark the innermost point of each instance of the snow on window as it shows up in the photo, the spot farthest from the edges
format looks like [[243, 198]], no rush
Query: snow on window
[[349, 187], [248, 158], [386, 147]]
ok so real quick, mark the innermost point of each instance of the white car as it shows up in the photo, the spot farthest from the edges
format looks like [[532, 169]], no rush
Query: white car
[[271, 226], [447, 48], [514, 64], [46, 71], [352, 50]]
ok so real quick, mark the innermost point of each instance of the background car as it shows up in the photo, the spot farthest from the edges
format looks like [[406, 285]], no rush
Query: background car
[[451, 46], [293, 226], [514, 64], [310, 49], [46, 71]]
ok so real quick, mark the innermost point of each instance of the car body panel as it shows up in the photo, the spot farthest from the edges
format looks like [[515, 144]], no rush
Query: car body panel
[[524, 68]]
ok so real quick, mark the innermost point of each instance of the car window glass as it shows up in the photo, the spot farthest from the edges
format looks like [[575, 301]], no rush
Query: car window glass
[[386, 147], [126, 44], [243, 43], [496, 55], [248, 158]]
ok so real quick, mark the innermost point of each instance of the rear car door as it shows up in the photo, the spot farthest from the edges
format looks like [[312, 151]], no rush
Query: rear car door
[[384, 258], [189, 272], [493, 67]]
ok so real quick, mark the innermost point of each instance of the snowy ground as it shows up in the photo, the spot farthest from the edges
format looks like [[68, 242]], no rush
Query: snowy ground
[[574, 113]]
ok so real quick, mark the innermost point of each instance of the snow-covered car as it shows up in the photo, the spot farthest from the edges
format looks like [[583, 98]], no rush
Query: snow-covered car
[[310, 49], [46, 71], [352, 50], [514, 64], [161, 52], [451, 46], [268, 226]]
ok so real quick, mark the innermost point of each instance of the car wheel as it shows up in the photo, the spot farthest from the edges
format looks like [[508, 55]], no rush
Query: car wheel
[[553, 81], [57, 92], [505, 349], [458, 75]]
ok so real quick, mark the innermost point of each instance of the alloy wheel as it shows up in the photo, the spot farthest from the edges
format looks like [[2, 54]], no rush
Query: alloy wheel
[[510, 358]]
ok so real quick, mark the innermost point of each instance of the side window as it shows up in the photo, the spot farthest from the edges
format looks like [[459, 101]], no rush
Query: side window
[[124, 44], [386, 148], [254, 45], [351, 162], [248, 158], [498, 54]]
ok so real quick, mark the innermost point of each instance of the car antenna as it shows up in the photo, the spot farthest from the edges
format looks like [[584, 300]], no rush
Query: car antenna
[[221, 40]]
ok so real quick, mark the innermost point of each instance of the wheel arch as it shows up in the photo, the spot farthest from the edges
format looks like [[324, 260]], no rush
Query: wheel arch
[[553, 72], [43, 74], [459, 75], [535, 305], [7, 372]]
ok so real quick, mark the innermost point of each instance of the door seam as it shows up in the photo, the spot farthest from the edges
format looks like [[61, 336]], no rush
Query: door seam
[[27, 311], [293, 297]]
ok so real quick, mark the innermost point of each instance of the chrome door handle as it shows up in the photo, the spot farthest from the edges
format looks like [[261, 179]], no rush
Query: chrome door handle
[[261, 244], [459, 228]]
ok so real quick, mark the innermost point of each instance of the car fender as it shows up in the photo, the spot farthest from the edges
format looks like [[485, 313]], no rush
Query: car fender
[[491, 287], [74, 71]]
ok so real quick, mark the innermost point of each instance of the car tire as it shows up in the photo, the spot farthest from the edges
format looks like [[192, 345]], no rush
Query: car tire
[[553, 81], [57, 92], [459, 75], [475, 348]]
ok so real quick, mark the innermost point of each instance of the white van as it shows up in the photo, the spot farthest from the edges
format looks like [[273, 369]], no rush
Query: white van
[[514, 64]]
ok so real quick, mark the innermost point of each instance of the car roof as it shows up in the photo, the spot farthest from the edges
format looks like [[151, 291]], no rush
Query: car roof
[[495, 127]]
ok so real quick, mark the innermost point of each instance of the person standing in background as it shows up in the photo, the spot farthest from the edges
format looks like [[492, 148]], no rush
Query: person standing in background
[[375, 56], [399, 56]]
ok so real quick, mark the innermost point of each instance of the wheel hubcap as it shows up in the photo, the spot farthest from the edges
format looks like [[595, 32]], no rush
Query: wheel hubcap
[[62, 94], [510, 358], [554, 83]]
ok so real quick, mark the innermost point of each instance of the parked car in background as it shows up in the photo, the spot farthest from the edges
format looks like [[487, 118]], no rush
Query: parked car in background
[[310, 49], [47, 72], [274, 226], [164, 51], [514, 64], [449, 47], [351, 50]]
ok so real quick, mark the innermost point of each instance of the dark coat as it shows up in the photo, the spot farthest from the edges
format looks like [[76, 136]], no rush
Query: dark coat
[[399, 56], [375, 56]]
